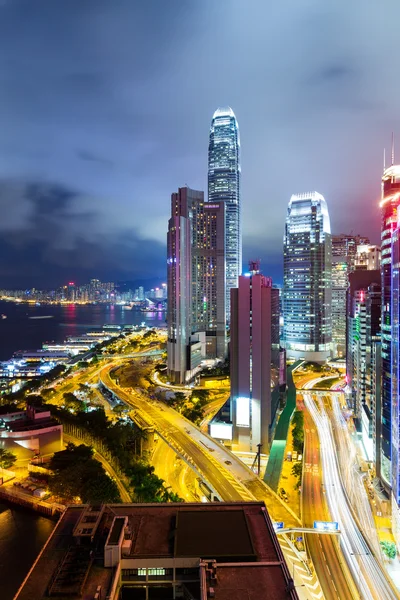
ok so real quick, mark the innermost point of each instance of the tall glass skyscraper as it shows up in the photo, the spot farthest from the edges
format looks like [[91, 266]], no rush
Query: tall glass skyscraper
[[224, 184], [389, 209], [307, 278]]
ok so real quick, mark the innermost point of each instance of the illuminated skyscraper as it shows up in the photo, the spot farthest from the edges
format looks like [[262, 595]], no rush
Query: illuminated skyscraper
[[254, 360], [363, 333], [344, 258], [307, 278], [224, 185], [389, 206], [395, 381], [196, 283]]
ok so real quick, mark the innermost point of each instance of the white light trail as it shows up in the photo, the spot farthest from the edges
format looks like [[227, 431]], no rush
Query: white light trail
[[368, 574]]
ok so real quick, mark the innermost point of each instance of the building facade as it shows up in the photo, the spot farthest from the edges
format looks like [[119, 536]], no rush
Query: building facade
[[395, 372], [345, 259], [368, 257], [389, 207], [254, 360], [307, 278], [363, 333], [196, 283], [224, 175]]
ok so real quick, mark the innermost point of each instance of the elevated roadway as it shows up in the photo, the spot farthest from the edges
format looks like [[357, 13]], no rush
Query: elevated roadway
[[226, 475]]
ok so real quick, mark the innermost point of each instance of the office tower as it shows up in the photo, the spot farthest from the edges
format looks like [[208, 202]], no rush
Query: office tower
[[368, 257], [179, 276], [141, 293], [389, 205], [224, 185], [254, 360], [208, 276], [344, 258], [363, 331], [196, 283], [395, 356], [71, 292], [307, 278]]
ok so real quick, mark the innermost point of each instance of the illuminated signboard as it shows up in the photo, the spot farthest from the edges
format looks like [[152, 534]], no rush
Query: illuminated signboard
[[278, 525], [221, 431], [326, 525], [243, 412]]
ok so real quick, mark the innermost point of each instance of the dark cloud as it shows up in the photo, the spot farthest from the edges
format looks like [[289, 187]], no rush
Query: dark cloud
[[60, 242], [112, 101]]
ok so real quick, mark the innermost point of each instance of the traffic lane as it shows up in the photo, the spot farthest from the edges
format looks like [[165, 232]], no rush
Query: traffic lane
[[214, 475], [322, 549], [250, 487]]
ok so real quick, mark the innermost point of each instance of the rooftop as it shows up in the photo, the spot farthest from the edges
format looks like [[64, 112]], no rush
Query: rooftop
[[226, 549]]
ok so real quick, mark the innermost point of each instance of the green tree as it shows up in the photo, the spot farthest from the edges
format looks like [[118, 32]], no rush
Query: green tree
[[73, 403], [297, 469], [7, 458], [389, 549]]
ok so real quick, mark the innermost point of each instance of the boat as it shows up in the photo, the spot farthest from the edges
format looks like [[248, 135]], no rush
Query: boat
[[42, 317], [4, 316]]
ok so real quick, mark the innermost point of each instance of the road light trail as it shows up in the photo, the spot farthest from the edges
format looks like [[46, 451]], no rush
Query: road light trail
[[366, 570]]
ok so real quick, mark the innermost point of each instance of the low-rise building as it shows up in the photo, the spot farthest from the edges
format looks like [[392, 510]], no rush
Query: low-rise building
[[155, 551], [30, 432]]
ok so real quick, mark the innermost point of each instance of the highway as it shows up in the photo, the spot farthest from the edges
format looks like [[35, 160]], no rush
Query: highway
[[328, 561], [230, 479], [370, 577], [174, 471]]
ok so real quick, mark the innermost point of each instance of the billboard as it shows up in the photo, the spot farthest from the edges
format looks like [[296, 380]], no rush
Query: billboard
[[243, 412], [221, 431]]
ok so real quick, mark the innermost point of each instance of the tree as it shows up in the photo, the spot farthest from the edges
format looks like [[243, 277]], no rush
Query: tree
[[77, 475], [7, 458], [35, 400], [389, 549], [73, 403], [297, 469], [70, 456]]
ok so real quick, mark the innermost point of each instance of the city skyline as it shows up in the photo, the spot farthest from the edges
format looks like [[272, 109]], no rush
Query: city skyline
[[78, 155]]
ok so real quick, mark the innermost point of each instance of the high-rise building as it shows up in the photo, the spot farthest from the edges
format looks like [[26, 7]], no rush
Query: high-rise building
[[224, 185], [307, 278], [344, 259], [368, 257], [254, 360], [363, 331], [389, 206], [196, 283], [395, 381]]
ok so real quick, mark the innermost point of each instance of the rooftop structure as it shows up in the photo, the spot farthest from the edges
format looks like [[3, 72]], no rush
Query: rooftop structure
[[192, 551]]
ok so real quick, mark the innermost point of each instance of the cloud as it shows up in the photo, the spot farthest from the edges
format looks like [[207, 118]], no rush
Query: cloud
[[58, 240], [110, 103]]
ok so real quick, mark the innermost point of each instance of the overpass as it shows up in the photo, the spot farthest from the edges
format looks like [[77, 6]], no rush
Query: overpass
[[227, 477]]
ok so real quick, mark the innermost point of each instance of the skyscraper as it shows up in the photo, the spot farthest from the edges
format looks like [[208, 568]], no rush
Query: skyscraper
[[224, 185], [363, 332], [389, 206], [307, 278], [344, 261], [254, 357], [196, 283], [395, 381]]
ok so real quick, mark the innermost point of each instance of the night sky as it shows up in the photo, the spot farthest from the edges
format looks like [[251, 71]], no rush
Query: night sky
[[105, 108]]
